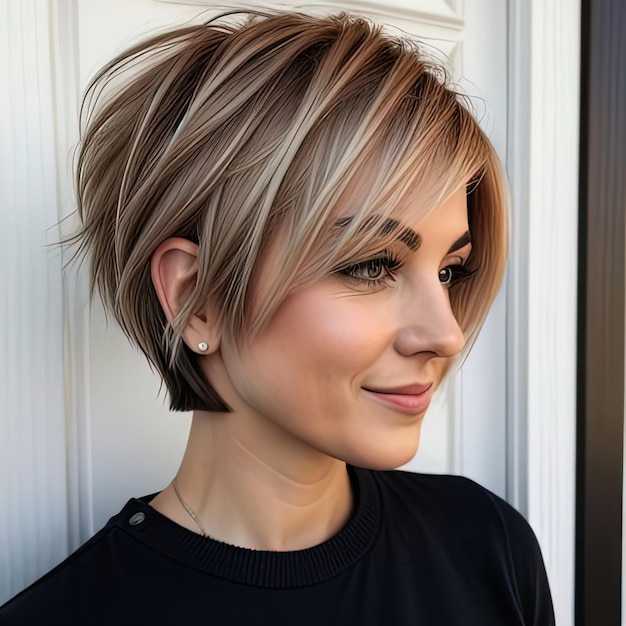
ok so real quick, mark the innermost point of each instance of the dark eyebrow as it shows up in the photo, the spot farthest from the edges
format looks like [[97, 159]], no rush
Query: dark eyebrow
[[407, 236], [461, 242]]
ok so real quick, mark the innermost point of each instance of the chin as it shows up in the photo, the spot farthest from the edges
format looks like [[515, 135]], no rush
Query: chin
[[386, 458]]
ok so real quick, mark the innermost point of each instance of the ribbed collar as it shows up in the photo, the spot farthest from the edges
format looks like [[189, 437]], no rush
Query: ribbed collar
[[259, 567]]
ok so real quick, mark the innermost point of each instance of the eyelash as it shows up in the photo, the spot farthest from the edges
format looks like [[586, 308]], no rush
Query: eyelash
[[390, 264]]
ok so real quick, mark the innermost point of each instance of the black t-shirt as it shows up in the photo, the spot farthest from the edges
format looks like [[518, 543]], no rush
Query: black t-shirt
[[418, 549]]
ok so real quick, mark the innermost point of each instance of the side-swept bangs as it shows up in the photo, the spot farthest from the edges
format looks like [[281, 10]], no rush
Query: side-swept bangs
[[230, 134], [426, 146]]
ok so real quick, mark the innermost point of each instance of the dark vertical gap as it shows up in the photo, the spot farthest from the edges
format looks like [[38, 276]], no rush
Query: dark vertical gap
[[601, 314], [581, 370]]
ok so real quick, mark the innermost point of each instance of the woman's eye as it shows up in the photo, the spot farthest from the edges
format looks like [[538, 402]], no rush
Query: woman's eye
[[452, 274], [370, 270], [446, 275], [374, 271]]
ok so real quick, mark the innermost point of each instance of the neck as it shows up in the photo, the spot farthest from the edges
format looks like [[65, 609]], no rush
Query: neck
[[254, 489]]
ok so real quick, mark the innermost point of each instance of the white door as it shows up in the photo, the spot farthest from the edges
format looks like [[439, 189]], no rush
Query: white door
[[95, 432]]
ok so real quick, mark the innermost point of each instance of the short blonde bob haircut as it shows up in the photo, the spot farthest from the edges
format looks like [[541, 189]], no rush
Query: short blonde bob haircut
[[229, 132]]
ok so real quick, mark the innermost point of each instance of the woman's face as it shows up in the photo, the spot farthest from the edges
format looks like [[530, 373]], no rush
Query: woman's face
[[348, 366]]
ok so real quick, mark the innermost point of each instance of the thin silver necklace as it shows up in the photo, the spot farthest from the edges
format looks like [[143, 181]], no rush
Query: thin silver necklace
[[189, 510]]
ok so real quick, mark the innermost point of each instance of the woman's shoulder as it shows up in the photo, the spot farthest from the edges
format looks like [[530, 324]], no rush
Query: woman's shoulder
[[440, 497], [78, 586], [469, 522]]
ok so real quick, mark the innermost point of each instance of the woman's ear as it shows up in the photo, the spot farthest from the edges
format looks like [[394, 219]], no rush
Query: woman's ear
[[174, 269]]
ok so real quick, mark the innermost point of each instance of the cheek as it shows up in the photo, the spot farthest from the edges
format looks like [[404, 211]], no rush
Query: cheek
[[331, 331]]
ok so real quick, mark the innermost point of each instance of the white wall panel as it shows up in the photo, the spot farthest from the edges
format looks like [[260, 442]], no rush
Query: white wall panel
[[483, 436], [543, 164], [33, 487]]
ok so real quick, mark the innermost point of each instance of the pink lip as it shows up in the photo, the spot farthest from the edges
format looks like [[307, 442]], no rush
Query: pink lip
[[410, 399]]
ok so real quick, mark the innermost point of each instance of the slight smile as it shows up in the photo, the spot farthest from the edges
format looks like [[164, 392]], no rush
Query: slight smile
[[412, 399]]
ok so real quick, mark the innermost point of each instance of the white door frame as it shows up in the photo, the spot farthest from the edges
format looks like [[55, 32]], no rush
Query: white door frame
[[544, 56]]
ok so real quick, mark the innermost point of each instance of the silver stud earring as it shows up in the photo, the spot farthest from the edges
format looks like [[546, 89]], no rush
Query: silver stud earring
[[203, 346]]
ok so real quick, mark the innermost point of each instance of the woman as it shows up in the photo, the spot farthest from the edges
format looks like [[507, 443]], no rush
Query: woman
[[302, 228]]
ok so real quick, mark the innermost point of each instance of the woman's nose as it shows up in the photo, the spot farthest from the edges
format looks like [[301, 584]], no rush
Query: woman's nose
[[429, 325]]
